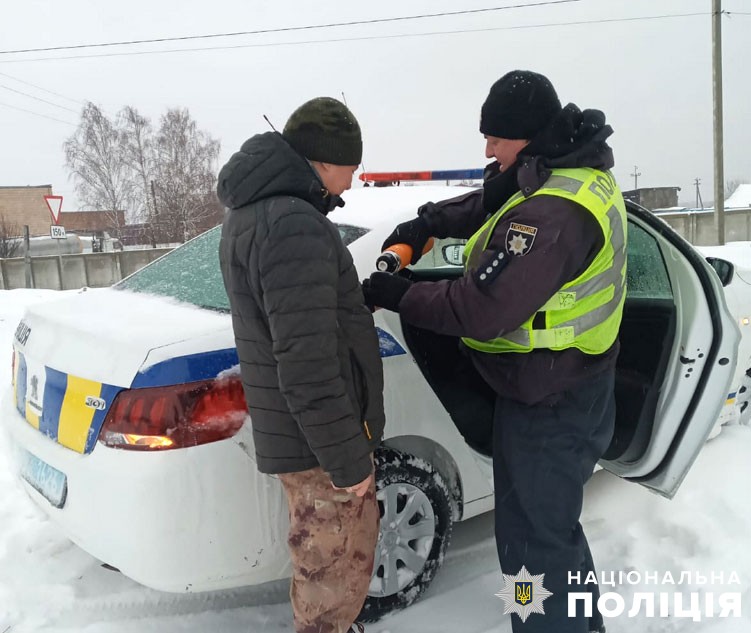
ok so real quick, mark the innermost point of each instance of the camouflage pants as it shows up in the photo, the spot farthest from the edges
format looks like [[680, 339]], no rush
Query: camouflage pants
[[332, 540]]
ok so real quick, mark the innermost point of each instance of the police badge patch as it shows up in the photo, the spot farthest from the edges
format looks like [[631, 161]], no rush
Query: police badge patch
[[519, 238], [523, 594]]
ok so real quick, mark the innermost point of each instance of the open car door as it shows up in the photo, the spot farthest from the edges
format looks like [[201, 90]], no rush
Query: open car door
[[679, 346], [678, 354]]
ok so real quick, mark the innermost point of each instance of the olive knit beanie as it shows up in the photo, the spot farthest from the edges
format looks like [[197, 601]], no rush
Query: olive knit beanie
[[324, 130]]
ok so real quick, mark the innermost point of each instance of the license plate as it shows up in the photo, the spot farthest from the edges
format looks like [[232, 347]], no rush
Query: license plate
[[46, 480]]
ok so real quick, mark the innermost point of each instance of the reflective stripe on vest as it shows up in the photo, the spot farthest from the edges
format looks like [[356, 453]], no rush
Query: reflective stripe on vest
[[586, 312]]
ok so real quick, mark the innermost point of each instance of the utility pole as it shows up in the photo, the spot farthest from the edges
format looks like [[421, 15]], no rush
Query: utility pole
[[27, 258], [699, 202], [153, 215], [636, 175], [719, 177]]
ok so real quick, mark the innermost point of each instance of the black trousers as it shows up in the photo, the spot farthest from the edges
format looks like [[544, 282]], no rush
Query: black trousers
[[542, 457]]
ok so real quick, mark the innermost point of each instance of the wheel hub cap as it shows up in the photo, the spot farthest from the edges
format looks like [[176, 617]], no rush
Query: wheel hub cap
[[406, 538]]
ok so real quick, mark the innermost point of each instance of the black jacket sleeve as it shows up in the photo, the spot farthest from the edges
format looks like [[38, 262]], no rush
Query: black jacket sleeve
[[299, 273], [566, 241], [458, 217]]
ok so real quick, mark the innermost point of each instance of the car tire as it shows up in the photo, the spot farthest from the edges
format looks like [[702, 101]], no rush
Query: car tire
[[416, 523]]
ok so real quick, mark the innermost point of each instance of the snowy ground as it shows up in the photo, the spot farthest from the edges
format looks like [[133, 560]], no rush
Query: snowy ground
[[47, 584]]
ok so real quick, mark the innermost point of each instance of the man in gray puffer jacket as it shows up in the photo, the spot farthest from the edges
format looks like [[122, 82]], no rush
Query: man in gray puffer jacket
[[308, 352]]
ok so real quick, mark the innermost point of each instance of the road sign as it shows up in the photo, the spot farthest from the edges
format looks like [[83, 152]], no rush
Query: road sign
[[57, 232], [55, 205]]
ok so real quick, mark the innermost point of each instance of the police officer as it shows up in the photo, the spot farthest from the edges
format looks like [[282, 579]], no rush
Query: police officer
[[538, 310]]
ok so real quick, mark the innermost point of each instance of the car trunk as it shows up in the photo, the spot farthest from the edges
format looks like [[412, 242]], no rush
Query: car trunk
[[72, 357]]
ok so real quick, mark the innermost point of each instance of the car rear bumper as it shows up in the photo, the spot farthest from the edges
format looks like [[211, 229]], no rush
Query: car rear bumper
[[181, 520]]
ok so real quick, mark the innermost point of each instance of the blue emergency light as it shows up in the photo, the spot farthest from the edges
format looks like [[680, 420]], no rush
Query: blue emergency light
[[446, 174]]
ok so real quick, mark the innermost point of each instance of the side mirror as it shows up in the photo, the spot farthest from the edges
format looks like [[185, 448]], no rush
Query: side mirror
[[723, 268], [453, 254]]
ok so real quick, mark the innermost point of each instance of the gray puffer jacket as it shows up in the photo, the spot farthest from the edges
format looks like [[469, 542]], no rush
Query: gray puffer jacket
[[307, 345]]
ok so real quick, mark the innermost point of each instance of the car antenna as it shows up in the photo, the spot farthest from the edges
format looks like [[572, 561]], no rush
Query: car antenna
[[362, 162], [269, 122]]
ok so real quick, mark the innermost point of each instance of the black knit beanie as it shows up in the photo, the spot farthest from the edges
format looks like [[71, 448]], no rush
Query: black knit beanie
[[520, 104], [323, 129]]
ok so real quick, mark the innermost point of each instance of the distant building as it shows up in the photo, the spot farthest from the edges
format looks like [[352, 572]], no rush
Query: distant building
[[140, 234], [90, 222], [654, 197], [26, 205]]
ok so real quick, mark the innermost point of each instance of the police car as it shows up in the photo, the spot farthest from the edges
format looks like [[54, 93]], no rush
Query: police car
[[127, 417]]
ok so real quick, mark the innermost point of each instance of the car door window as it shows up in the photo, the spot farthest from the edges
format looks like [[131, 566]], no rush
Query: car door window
[[350, 233], [446, 254], [646, 275]]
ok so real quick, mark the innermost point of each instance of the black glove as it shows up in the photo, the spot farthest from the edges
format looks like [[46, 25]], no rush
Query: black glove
[[385, 290], [415, 233]]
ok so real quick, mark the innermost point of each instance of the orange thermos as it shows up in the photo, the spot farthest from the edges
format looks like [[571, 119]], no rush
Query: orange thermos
[[397, 256]]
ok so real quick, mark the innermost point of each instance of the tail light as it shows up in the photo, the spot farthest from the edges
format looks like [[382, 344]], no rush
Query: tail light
[[176, 416]]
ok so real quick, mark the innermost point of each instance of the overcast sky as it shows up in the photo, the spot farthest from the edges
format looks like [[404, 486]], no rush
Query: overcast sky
[[417, 98]]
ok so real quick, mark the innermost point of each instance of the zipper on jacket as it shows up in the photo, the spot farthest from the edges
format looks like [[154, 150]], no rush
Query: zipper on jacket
[[361, 387]]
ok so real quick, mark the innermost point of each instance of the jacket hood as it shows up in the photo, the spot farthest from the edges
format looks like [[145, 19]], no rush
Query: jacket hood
[[267, 166], [574, 138]]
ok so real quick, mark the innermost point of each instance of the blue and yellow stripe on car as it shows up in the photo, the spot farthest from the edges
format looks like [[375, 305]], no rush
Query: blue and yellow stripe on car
[[731, 398], [65, 417], [388, 345]]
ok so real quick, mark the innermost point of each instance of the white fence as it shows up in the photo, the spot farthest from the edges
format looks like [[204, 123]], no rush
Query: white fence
[[67, 272], [698, 225]]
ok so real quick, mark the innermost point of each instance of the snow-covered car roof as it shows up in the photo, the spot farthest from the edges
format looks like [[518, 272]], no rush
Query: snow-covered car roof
[[373, 207]]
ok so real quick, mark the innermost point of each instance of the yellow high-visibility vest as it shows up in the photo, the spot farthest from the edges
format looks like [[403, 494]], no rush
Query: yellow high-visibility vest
[[586, 312]]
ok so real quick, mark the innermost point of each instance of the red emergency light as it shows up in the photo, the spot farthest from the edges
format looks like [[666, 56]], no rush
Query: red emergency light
[[446, 174]]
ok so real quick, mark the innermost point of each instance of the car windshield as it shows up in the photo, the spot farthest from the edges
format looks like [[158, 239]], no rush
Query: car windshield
[[191, 272]]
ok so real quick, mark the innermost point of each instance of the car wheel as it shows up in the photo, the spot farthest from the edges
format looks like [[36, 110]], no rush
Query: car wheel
[[415, 505]]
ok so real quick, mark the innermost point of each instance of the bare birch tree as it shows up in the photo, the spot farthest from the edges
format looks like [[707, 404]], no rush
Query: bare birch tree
[[137, 141], [164, 179], [103, 179], [185, 169]]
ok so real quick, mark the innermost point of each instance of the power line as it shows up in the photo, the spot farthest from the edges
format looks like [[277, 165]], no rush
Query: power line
[[361, 38], [28, 83], [289, 28], [44, 116], [26, 94]]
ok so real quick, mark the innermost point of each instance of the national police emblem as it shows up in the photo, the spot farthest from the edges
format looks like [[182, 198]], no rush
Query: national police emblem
[[519, 238], [523, 594]]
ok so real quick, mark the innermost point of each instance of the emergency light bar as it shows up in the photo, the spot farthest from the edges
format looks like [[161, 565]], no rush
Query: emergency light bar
[[446, 174]]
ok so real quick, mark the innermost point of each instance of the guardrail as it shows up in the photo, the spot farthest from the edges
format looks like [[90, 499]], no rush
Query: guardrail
[[68, 272]]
